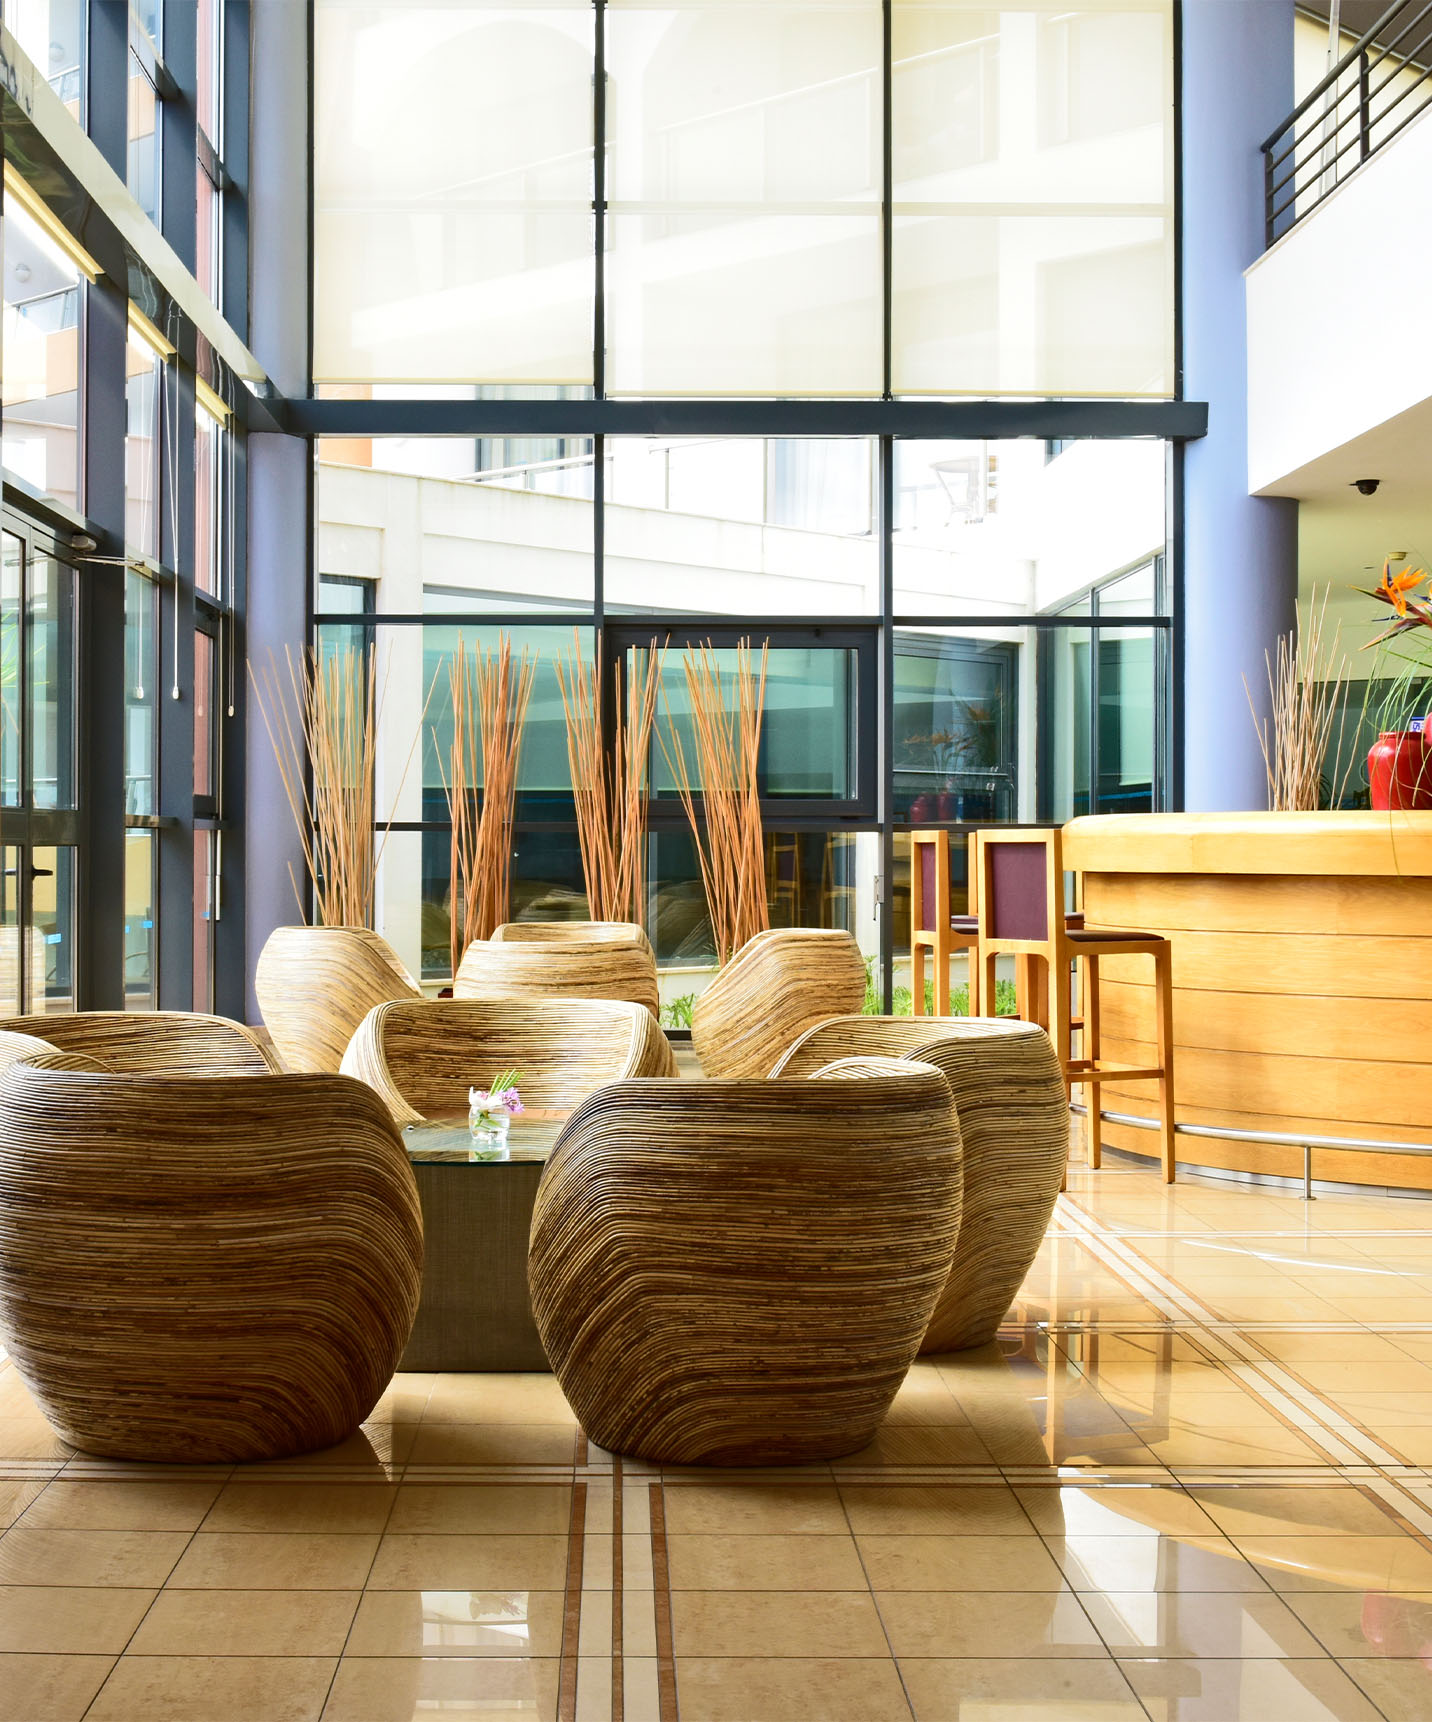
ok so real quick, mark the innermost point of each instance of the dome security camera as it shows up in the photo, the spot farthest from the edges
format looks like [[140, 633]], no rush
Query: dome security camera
[[1366, 486]]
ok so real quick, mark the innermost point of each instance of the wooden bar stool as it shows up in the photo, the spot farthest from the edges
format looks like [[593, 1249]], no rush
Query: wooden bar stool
[[933, 929], [1021, 896]]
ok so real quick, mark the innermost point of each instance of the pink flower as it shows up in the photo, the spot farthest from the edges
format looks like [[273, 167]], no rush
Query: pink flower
[[512, 1100]]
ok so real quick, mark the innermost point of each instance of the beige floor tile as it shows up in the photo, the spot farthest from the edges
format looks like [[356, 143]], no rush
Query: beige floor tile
[[764, 1563], [492, 1507], [1402, 1691], [1153, 1563], [16, 1496], [489, 1563], [980, 1510], [371, 1449], [30, 1438], [493, 1444], [1217, 1412], [50, 1688], [63, 1621], [1297, 1349], [970, 1623], [1115, 1510], [1269, 1444], [1385, 1412], [35, 1555], [1062, 1689], [1394, 1563], [776, 1623], [246, 1623], [924, 1398], [302, 1507], [497, 1399], [770, 1509], [1186, 1623], [128, 1506], [459, 1623], [921, 1444], [1365, 1375], [404, 1400], [1248, 1690], [1263, 1510], [1363, 1624], [465, 1689], [958, 1563], [1415, 1445], [253, 1560], [780, 1689], [214, 1689]]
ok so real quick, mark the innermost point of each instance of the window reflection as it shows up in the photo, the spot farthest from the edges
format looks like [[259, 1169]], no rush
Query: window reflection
[[41, 358]]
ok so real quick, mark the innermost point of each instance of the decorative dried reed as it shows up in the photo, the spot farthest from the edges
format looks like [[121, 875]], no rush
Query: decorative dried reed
[[727, 828], [1305, 684], [612, 789], [326, 712], [489, 708]]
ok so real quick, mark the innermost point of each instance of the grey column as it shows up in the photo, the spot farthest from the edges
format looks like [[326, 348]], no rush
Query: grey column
[[1240, 563], [279, 467]]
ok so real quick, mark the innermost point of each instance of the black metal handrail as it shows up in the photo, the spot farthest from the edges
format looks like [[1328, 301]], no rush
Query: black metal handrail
[[1378, 87]]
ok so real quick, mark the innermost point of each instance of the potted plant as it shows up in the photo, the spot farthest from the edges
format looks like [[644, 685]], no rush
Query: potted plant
[[1399, 765]]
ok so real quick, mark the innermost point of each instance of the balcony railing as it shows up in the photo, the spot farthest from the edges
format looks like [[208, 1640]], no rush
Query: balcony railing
[[1379, 87]]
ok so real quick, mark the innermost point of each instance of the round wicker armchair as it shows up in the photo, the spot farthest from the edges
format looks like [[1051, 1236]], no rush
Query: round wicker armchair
[[569, 959], [151, 1042], [776, 986], [200, 1271], [740, 1273], [1014, 1121], [314, 985], [423, 1058]]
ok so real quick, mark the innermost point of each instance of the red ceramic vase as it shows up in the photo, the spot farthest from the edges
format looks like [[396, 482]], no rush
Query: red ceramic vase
[[1399, 771]]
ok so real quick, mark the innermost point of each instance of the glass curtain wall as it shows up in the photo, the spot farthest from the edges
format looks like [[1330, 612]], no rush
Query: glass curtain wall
[[806, 200], [103, 440], [1029, 634]]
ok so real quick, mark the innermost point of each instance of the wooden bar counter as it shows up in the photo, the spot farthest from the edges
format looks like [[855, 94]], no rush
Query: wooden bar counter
[[1302, 972]]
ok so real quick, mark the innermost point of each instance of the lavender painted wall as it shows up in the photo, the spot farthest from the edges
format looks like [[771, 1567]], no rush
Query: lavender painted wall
[[1240, 552], [279, 466]]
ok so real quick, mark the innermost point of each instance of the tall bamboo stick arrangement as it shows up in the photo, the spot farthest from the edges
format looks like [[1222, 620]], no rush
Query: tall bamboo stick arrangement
[[324, 711], [730, 841], [612, 789], [1305, 683], [490, 693]]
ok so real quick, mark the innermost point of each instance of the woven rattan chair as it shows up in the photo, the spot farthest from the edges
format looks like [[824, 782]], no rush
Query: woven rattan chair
[[314, 985], [1014, 1122], [776, 986], [423, 1058], [17, 1048], [740, 1273], [203, 1271], [566, 959], [151, 1043]]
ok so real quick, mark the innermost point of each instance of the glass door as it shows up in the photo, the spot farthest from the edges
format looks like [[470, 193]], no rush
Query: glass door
[[38, 814]]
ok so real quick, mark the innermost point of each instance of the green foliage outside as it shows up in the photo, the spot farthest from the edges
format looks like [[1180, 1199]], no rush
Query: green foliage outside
[[903, 1000], [677, 1014]]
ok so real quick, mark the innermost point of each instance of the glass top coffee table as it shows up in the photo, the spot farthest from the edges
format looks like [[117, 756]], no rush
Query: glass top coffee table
[[448, 1141], [475, 1312]]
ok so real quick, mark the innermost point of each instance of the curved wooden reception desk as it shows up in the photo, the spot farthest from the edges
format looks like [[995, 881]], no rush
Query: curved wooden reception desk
[[1302, 972]]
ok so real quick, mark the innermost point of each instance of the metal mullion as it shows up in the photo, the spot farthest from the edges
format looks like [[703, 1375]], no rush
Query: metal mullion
[[887, 202], [885, 717], [599, 200]]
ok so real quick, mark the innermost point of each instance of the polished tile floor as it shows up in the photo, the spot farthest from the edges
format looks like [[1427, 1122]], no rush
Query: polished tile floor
[[1192, 1482]]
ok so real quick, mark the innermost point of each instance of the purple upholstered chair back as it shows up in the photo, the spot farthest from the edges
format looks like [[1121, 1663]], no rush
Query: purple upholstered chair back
[[927, 855], [1018, 882]]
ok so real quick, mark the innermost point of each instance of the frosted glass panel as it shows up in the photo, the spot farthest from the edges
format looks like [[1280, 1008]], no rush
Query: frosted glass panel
[[1033, 187], [744, 197], [452, 207]]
